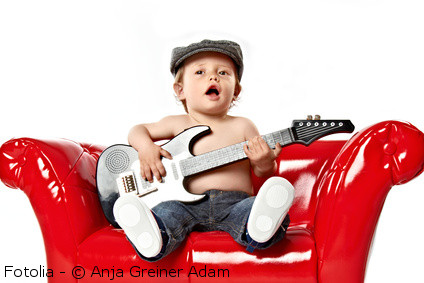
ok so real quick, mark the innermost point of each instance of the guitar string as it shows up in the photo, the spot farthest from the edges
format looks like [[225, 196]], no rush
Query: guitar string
[[315, 125], [314, 129], [302, 133], [227, 154], [309, 132], [312, 132], [303, 129]]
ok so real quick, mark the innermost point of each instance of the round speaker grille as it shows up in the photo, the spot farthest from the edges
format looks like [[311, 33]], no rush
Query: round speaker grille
[[117, 161]]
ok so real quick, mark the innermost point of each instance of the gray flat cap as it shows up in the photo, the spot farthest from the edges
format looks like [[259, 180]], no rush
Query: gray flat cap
[[229, 48]]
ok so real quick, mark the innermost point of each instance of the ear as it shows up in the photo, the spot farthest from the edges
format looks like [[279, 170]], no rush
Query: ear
[[237, 91], [179, 91]]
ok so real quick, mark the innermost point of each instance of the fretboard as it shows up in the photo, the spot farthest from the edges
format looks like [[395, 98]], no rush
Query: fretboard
[[229, 154]]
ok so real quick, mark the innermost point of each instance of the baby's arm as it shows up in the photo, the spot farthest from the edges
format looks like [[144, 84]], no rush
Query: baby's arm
[[261, 156], [142, 138]]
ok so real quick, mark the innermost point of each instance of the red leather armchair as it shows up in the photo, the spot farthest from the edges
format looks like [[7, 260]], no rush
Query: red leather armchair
[[340, 191]]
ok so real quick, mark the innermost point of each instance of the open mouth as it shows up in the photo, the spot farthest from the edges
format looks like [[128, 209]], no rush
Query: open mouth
[[212, 90]]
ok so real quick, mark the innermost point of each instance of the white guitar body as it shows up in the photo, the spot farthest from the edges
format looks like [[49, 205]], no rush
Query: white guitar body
[[119, 168]]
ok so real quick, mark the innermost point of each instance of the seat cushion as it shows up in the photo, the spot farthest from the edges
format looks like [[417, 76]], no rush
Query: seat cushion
[[204, 255], [293, 259], [109, 249]]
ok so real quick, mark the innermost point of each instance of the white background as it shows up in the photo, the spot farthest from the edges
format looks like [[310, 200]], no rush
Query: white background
[[89, 70]]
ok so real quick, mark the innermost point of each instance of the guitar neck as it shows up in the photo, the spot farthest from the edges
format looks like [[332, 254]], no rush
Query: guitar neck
[[230, 154]]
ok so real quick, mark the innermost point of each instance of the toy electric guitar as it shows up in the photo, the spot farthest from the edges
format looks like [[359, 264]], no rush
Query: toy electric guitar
[[118, 167]]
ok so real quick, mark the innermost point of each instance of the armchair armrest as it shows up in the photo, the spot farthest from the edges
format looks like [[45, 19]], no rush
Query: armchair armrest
[[353, 191], [58, 176]]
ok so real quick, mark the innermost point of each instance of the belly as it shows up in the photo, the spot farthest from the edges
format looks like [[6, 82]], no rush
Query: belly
[[233, 177]]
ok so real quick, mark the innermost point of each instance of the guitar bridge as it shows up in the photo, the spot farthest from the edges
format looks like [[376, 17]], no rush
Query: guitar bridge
[[127, 183]]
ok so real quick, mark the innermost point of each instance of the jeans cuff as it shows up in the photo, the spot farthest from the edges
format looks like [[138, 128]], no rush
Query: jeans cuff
[[165, 239], [252, 244]]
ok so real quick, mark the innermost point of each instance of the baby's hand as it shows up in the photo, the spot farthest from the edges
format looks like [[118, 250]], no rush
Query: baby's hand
[[151, 164], [261, 156]]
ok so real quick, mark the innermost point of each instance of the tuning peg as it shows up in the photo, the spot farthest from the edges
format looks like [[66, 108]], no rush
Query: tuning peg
[[317, 117], [309, 117]]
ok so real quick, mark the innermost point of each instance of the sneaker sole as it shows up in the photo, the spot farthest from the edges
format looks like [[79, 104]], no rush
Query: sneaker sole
[[139, 224], [271, 205]]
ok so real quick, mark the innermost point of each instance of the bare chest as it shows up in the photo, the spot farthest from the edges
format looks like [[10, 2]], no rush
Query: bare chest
[[218, 138]]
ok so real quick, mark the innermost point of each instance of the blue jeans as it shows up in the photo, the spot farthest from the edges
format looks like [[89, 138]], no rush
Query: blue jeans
[[219, 210]]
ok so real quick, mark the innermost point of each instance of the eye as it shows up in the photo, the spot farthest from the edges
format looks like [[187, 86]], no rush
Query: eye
[[223, 73], [199, 72]]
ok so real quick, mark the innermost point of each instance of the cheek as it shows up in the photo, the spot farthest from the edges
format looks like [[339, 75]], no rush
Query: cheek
[[232, 89], [192, 85]]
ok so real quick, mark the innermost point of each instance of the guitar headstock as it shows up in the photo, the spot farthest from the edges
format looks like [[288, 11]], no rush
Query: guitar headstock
[[307, 131]]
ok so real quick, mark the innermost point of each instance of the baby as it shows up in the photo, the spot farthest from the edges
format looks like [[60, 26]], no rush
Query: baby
[[207, 82]]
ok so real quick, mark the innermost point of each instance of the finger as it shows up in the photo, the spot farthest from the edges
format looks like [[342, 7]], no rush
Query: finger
[[246, 150], [253, 144], [262, 143], [157, 174], [165, 154], [148, 174], [142, 174], [161, 168], [144, 168], [277, 149]]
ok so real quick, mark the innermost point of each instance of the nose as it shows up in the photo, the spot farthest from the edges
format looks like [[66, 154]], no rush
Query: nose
[[214, 77]]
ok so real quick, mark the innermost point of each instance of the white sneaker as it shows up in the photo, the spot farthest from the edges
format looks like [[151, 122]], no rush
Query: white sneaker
[[139, 224], [271, 205]]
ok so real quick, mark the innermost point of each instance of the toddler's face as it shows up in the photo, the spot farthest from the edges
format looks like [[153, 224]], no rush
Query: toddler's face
[[209, 83]]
